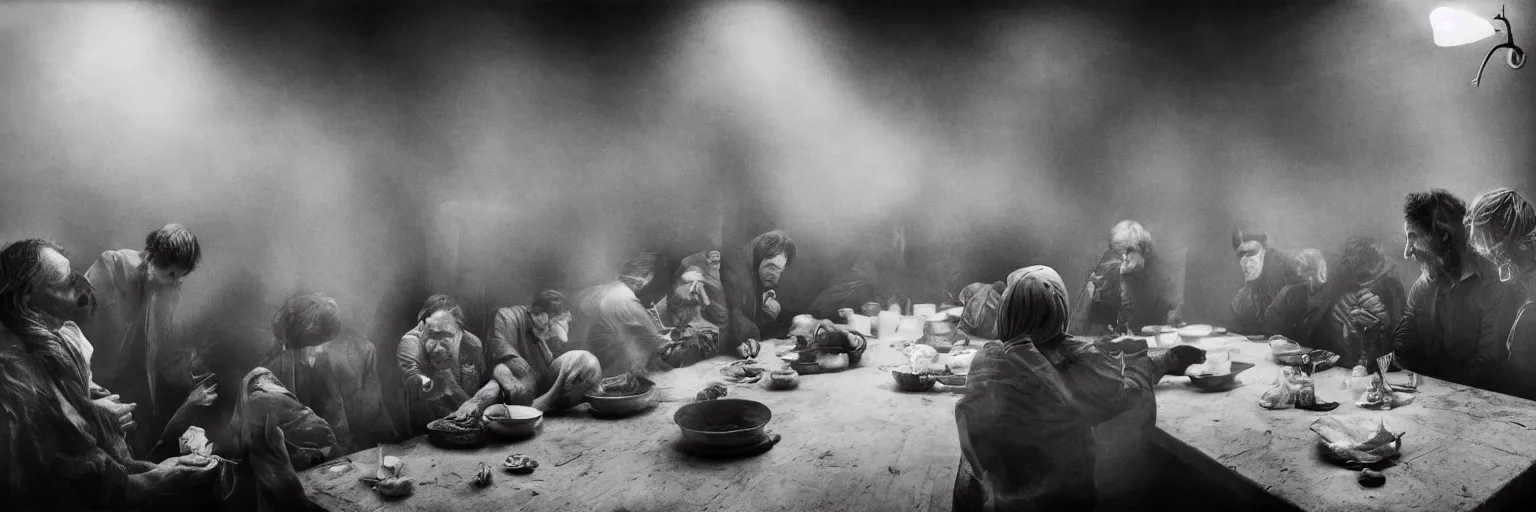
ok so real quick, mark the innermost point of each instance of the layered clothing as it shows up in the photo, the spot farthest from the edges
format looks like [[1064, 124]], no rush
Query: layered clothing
[[694, 311], [1457, 328], [277, 437], [745, 295], [978, 317], [132, 333], [1027, 417], [536, 369], [351, 361], [1124, 303], [60, 451], [1321, 316], [1254, 298], [465, 368], [611, 322]]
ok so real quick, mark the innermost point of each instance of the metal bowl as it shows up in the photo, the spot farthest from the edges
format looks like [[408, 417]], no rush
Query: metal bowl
[[726, 422], [783, 379], [513, 420], [1221, 382], [908, 381], [608, 405]]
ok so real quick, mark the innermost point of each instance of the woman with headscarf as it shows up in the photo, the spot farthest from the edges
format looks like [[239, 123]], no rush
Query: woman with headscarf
[[1026, 420]]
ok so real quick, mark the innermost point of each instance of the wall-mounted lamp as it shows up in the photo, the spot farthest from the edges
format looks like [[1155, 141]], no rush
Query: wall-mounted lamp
[[1453, 27]]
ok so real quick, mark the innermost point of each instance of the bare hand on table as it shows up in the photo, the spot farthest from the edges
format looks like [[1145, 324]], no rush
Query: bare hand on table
[[469, 410], [121, 411], [188, 471]]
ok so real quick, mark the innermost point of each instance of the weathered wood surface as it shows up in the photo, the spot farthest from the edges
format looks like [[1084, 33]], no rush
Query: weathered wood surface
[[850, 442], [1463, 445]]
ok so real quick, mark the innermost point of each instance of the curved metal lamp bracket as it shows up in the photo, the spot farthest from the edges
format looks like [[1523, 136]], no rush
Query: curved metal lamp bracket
[[1516, 56]]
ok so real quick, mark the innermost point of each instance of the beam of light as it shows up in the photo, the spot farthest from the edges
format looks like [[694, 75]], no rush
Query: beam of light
[[1455, 27]]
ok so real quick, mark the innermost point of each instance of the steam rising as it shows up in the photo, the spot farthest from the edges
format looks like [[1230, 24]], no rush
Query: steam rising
[[489, 156]]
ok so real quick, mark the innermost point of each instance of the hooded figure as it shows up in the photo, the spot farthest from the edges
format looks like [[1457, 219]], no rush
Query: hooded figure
[[751, 278], [694, 310], [1351, 308], [980, 303], [1026, 419], [278, 437], [1266, 271]]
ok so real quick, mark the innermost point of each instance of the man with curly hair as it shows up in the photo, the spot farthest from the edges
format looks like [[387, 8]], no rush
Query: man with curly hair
[[1458, 315]]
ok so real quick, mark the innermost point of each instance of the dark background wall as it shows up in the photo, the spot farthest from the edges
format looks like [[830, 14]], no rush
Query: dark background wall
[[382, 154]]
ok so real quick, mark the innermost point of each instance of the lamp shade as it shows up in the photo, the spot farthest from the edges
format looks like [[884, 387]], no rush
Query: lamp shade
[[1454, 27]]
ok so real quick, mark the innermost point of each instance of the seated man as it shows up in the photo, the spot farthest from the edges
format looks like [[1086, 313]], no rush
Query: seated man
[[61, 450], [1456, 323], [1353, 313], [535, 372], [1265, 272], [447, 370], [694, 310], [1145, 290], [1502, 228], [610, 321], [751, 280]]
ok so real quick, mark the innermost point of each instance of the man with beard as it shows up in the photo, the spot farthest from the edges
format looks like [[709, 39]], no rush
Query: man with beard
[[1456, 324], [1353, 313], [62, 451], [536, 373], [751, 280], [1502, 228], [447, 369], [138, 293], [1130, 288], [694, 310], [610, 322], [1265, 272]]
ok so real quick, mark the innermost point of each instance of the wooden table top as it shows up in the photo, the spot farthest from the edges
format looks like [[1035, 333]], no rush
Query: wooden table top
[[1462, 447], [851, 441]]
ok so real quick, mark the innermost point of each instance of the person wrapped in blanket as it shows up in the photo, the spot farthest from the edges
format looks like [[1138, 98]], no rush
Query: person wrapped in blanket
[[610, 322], [1502, 230], [1131, 286], [694, 310], [1266, 271], [447, 370], [538, 370], [61, 450], [1350, 308], [751, 281], [1032, 400]]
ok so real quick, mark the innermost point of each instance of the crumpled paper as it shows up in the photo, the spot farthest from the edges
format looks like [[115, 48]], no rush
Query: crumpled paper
[[1357, 443], [195, 442], [385, 476]]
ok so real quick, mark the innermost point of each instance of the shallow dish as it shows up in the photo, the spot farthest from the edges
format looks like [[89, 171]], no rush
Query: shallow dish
[[611, 405], [908, 381], [1220, 382], [445, 434], [1190, 333], [513, 420]]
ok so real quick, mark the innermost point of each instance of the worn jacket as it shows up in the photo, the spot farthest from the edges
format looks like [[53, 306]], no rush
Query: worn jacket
[[1458, 330], [1308, 315]]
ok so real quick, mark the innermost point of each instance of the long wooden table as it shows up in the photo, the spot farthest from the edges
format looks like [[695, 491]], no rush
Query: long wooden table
[[1463, 449], [850, 442]]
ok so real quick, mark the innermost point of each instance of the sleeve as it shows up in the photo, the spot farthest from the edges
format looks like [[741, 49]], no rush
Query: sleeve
[[1408, 347], [1498, 318], [333, 409], [718, 311], [1245, 307], [103, 278], [636, 324], [409, 355], [1106, 385], [1284, 315], [501, 344]]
